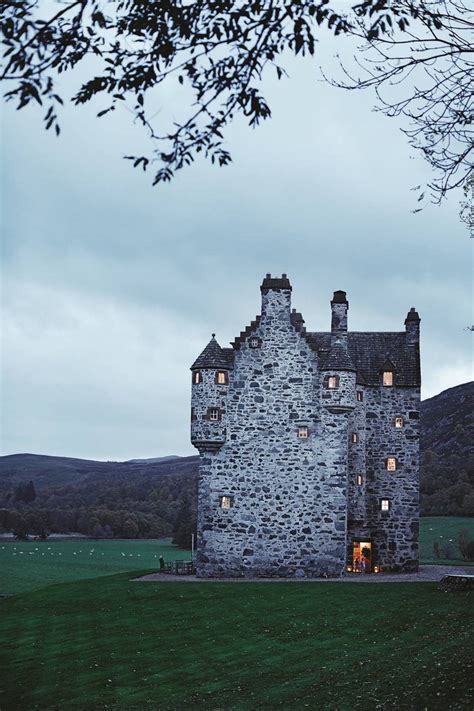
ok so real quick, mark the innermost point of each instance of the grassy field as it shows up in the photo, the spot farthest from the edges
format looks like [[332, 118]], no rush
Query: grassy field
[[108, 643], [31, 565], [114, 644], [444, 530]]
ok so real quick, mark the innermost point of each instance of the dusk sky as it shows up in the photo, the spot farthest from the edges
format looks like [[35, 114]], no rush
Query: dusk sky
[[111, 288]]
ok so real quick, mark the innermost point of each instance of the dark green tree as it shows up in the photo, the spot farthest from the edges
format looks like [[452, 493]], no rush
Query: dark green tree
[[25, 493], [219, 51], [185, 525]]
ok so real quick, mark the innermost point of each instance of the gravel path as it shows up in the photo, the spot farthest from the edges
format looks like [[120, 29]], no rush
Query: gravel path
[[426, 574]]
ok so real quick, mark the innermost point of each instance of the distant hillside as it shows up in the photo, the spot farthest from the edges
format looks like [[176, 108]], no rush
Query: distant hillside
[[138, 498], [150, 497], [447, 447]]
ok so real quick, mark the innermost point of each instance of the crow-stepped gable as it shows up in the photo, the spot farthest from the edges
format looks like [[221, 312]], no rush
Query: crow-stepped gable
[[309, 446]]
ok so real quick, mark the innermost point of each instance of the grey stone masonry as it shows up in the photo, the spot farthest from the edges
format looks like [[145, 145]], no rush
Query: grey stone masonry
[[308, 446]]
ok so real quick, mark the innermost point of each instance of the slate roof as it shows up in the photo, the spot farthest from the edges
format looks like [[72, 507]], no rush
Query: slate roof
[[369, 351], [213, 356], [337, 357]]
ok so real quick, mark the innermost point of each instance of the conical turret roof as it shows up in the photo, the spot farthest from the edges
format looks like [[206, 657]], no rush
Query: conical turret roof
[[338, 357], [212, 356]]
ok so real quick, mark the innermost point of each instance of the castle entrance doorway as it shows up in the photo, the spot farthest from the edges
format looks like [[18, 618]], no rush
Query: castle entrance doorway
[[362, 556]]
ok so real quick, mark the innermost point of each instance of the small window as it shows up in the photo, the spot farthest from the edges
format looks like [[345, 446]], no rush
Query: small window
[[333, 382], [221, 377], [193, 415], [391, 464], [360, 396], [303, 432], [387, 378], [360, 479], [197, 377], [354, 438], [213, 414], [385, 504], [226, 502], [398, 423], [255, 342]]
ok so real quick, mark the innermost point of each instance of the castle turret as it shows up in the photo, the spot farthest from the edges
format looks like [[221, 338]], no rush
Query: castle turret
[[412, 327], [210, 380]]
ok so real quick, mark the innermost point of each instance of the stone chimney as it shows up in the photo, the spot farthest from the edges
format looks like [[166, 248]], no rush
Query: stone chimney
[[339, 309], [276, 297], [412, 327]]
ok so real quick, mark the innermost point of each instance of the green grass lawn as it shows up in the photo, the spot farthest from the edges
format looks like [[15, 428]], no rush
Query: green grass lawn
[[443, 529], [114, 644], [31, 565]]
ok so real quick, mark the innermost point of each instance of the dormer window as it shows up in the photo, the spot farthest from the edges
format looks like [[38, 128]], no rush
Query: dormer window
[[222, 377], [385, 504], [391, 464], [354, 438], [214, 414], [387, 378], [303, 433], [333, 382], [398, 423], [226, 502], [197, 377]]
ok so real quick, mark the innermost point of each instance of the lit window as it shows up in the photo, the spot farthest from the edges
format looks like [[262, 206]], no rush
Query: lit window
[[354, 438], [332, 382], [226, 502], [387, 378], [221, 377], [360, 396], [303, 432], [254, 342], [197, 377], [213, 414], [391, 464], [398, 422], [360, 479], [385, 504]]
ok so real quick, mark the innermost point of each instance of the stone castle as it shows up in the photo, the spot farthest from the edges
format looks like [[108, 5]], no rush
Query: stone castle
[[309, 446]]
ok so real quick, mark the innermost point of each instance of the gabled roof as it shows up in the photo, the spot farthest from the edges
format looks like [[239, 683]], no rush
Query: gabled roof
[[213, 356]]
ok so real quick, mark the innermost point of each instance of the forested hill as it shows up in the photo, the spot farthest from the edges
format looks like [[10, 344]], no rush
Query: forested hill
[[447, 447], [144, 498], [151, 497]]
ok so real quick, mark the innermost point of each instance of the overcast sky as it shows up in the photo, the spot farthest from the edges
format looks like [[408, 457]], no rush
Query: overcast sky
[[111, 288]]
